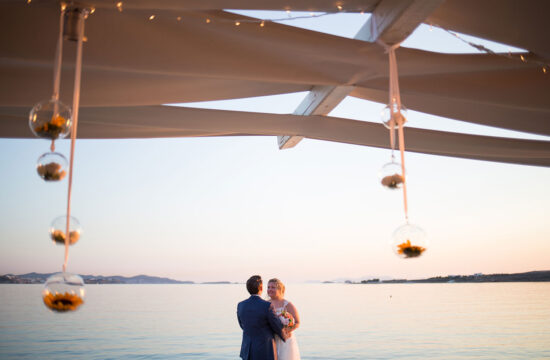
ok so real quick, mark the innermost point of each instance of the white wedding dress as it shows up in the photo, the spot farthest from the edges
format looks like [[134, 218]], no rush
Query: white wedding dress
[[286, 350]]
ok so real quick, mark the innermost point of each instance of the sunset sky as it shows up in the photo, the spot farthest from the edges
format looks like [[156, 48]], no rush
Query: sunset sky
[[206, 209]]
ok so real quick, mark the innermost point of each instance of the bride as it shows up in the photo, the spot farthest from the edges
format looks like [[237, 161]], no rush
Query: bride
[[286, 350]]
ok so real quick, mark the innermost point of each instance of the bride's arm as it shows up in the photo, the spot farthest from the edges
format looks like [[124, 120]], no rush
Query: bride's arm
[[294, 312]]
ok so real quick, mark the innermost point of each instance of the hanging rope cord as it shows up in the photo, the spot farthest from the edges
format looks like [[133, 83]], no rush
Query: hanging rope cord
[[396, 117], [76, 102], [57, 67]]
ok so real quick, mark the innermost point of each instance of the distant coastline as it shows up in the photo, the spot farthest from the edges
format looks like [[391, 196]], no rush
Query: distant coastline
[[38, 278], [531, 276]]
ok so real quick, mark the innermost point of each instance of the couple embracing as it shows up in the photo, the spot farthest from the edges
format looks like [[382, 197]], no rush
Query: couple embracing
[[268, 325]]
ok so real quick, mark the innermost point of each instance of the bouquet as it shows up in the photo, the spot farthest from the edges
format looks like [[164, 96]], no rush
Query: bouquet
[[287, 319]]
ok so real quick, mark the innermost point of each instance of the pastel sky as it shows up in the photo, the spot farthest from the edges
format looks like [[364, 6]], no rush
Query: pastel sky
[[207, 209]]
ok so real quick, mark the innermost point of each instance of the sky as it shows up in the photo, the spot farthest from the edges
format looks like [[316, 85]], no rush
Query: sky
[[210, 209]]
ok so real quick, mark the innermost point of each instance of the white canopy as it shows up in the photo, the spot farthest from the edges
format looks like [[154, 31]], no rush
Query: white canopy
[[131, 65]]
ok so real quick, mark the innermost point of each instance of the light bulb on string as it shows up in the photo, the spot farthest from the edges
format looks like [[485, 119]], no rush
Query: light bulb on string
[[63, 292], [409, 241], [58, 230], [52, 166]]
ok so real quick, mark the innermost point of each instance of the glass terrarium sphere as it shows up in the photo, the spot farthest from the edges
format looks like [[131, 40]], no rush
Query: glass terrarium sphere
[[59, 227], [399, 115], [50, 119], [52, 166], [63, 292], [409, 241], [391, 175]]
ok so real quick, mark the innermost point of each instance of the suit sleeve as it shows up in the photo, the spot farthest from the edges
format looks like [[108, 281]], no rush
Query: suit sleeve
[[239, 317], [274, 322]]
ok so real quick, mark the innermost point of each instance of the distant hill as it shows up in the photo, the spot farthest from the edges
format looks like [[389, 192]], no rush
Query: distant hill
[[359, 279], [36, 278], [531, 276]]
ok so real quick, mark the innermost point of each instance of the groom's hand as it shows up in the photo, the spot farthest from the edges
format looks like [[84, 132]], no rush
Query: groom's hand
[[286, 334]]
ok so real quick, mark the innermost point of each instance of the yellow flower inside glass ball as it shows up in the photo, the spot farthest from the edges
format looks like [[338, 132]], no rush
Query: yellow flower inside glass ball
[[391, 176], [52, 166], [58, 229], [409, 241], [50, 119], [63, 292]]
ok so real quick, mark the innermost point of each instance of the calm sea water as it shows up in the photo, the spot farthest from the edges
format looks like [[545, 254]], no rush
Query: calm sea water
[[397, 321]]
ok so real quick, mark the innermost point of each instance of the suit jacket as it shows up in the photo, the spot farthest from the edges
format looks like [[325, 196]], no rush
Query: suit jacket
[[259, 324]]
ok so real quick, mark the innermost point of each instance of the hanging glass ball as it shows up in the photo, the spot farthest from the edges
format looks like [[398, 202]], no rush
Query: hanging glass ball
[[391, 176], [399, 115], [59, 226], [50, 119], [52, 166], [409, 241], [63, 292]]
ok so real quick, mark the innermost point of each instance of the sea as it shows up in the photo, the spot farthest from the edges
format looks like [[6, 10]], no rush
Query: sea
[[338, 321]]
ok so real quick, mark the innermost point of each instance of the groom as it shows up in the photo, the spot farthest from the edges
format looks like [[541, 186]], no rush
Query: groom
[[259, 323]]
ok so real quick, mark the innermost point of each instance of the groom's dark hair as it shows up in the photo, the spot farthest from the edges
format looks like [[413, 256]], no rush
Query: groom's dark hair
[[253, 284]]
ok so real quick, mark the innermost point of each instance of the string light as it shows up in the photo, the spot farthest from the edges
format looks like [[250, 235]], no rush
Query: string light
[[29, 1], [260, 21], [508, 55], [92, 10], [119, 6], [311, 15]]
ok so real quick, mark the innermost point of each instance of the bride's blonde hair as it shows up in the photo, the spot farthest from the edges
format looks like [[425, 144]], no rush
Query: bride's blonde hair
[[279, 285]]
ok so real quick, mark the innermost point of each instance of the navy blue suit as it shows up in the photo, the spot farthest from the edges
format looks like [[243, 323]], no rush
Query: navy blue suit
[[259, 324]]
